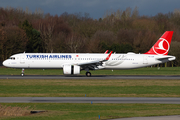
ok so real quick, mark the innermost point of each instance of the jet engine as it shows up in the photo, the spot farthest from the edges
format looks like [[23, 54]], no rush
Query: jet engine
[[71, 69]]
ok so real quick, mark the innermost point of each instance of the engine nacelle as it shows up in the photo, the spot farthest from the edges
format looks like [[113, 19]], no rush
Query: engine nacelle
[[71, 70]]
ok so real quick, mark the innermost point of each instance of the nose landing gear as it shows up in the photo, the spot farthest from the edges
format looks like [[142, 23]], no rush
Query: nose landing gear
[[22, 72]]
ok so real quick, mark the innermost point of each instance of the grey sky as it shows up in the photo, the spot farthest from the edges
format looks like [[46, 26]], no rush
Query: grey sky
[[96, 8]]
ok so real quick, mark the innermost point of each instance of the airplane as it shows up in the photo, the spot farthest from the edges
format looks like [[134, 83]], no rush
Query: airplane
[[73, 63]]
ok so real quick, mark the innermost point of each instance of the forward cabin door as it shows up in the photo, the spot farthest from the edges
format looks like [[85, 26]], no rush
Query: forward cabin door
[[22, 59]]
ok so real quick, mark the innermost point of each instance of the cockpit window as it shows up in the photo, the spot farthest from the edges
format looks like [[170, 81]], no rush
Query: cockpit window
[[12, 58]]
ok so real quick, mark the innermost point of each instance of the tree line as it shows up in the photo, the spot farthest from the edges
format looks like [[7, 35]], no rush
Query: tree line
[[120, 31]]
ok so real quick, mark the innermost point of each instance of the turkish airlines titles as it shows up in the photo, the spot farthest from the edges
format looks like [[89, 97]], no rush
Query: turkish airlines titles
[[48, 56]]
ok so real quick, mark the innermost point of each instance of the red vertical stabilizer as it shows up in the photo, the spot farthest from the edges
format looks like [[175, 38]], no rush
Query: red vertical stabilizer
[[161, 47]]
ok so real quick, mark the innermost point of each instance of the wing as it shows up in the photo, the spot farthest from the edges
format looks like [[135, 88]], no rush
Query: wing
[[93, 64]]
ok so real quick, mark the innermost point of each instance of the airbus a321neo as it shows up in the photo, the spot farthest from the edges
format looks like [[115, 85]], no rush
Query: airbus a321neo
[[73, 63]]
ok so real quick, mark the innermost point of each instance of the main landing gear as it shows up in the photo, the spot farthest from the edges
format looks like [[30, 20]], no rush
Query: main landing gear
[[22, 72], [88, 74]]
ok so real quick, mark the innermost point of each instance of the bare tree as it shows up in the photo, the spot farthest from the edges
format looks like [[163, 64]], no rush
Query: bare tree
[[75, 43], [50, 28]]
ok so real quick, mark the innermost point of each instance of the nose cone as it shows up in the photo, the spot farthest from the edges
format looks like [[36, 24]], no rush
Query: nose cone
[[5, 63]]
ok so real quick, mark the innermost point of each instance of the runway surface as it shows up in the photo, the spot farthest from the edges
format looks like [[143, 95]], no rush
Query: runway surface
[[162, 77], [173, 117], [89, 100]]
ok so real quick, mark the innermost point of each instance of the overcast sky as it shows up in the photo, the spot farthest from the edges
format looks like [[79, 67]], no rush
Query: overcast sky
[[96, 8]]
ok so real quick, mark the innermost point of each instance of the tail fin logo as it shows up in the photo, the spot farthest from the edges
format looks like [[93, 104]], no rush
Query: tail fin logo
[[162, 47]]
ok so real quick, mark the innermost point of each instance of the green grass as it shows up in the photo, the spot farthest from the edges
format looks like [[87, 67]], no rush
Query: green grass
[[59, 111], [140, 71], [92, 88]]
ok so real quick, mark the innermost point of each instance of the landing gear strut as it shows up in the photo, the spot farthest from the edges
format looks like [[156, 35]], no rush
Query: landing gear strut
[[88, 74], [22, 72]]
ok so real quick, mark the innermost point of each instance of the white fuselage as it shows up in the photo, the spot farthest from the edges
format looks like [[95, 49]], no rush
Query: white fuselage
[[58, 60]]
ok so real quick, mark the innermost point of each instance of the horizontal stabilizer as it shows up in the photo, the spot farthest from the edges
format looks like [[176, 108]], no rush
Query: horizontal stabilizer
[[169, 58]]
